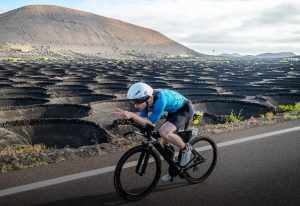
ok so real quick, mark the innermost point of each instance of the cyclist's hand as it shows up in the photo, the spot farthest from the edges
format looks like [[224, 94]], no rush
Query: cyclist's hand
[[122, 113]]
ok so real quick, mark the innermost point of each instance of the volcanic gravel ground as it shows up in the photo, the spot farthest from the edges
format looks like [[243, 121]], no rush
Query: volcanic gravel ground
[[71, 104]]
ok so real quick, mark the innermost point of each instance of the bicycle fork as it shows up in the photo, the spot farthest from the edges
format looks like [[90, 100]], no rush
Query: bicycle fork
[[143, 162]]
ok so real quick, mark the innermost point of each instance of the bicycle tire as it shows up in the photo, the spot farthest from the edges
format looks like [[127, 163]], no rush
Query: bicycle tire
[[119, 179], [210, 146]]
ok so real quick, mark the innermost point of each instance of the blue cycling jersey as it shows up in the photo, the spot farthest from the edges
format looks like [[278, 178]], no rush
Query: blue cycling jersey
[[167, 100]]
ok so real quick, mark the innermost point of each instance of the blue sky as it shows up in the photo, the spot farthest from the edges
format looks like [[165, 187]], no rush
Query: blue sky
[[207, 26]]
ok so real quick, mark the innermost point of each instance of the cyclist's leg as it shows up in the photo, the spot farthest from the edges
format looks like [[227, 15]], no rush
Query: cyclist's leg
[[164, 141], [176, 121], [179, 119], [167, 130]]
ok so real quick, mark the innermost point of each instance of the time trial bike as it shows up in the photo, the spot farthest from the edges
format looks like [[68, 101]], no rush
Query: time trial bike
[[139, 169]]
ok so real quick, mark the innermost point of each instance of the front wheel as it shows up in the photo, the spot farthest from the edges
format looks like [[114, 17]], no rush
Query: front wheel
[[203, 159], [137, 173]]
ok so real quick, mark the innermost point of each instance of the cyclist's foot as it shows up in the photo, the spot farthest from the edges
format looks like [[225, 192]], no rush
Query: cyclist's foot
[[186, 155], [166, 178]]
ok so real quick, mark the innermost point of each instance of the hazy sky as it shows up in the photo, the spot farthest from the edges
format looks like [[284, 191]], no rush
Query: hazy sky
[[207, 26]]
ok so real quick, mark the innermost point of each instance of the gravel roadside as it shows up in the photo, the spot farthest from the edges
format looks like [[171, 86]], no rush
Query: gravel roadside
[[16, 157]]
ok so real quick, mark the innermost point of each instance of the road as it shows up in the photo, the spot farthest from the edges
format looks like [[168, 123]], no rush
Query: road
[[262, 171]]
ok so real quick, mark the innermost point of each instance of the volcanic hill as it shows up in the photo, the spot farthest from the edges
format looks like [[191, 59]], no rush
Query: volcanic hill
[[43, 28]]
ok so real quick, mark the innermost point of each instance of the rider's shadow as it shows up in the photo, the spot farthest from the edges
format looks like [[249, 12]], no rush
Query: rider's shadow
[[167, 186], [109, 199]]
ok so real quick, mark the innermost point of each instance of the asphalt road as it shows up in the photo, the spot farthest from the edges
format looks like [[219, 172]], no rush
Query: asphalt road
[[264, 171]]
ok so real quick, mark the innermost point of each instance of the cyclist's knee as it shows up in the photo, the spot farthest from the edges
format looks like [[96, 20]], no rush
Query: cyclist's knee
[[165, 134], [165, 141]]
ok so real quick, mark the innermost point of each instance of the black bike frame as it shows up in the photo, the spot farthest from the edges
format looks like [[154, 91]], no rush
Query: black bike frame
[[180, 170], [152, 141], [144, 157], [170, 161]]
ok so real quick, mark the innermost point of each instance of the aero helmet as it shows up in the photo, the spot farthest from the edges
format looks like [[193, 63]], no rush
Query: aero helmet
[[139, 91]]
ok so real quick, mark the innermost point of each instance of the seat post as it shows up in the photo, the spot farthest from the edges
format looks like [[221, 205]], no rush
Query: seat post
[[186, 126]]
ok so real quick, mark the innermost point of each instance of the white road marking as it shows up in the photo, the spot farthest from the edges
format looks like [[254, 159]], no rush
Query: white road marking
[[54, 181]]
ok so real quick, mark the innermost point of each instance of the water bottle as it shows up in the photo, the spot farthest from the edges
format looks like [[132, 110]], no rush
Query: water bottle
[[194, 133], [197, 117]]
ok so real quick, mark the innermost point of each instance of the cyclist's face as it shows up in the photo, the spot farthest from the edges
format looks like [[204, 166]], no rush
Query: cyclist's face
[[141, 106]]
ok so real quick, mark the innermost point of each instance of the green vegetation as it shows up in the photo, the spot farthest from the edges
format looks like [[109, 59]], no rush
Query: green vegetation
[[30, 156], [289, 107], [44, 58], [291, 116], [268, 115], [283, 61], [119, 61], [14, 59], [233, 118]]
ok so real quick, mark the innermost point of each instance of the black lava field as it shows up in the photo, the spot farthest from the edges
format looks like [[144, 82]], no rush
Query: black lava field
[[71, 104]]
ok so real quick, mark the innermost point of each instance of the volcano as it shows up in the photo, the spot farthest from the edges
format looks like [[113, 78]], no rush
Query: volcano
[[60, 29]]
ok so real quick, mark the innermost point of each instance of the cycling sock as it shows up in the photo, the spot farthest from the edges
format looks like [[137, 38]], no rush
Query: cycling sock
[[186, 146]]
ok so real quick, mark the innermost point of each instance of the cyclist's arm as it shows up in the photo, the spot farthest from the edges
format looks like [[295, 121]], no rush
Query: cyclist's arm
[[130, 115], [158, 110], [144, 113], [141, 120]]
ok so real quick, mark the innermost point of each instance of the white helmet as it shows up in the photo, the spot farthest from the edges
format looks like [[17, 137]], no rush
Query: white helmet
[[139, 91]]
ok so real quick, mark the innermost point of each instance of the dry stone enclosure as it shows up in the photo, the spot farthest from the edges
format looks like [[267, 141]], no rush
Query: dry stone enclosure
[[71, 104]]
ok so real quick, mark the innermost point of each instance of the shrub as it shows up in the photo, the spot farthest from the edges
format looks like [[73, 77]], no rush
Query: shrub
[[291, 116], [233, 118], [37, 148], [289, 107], [44, 58], [269, 115], [13, 59]]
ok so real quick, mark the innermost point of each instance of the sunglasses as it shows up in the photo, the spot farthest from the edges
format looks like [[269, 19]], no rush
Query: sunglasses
[[138, 101]]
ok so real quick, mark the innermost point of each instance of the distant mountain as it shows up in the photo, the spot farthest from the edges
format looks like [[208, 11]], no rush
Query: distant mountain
[[230, 55], [249, 56], [276, 55], [57, 28], [263, 55]]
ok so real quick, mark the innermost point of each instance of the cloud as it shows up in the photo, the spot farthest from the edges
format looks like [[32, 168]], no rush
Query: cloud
[[282, 14]]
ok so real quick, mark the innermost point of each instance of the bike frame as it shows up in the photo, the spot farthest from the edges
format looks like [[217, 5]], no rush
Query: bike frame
[[154, 143]]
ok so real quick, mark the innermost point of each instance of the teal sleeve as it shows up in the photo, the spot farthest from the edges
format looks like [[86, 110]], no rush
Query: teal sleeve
[[158, 110], [144, 113]]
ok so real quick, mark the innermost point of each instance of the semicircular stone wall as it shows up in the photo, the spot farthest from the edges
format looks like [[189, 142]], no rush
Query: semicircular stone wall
[[68, 104]]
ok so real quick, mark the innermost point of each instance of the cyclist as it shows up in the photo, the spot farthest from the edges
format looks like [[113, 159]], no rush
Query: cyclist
[[180, 112]]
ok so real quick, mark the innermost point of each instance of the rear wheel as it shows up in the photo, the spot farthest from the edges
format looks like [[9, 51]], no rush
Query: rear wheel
[[203, 159], [137, 173]]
